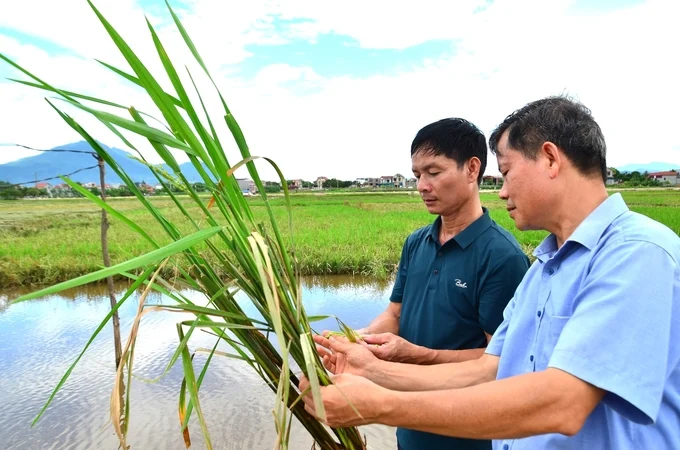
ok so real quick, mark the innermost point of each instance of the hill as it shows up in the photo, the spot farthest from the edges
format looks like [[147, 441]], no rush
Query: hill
[[49, 164], [650, 167]]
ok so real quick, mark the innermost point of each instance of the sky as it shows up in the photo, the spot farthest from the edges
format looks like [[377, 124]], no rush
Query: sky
[[339, 89]]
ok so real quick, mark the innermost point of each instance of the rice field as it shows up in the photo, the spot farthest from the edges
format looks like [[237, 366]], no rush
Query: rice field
[[46, 241]]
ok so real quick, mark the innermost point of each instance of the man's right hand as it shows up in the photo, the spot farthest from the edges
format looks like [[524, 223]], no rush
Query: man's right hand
[[341, 356]]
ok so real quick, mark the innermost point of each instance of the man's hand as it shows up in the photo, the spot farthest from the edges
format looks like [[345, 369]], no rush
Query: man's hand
[[390, 347], [349, 401], [341, 356]]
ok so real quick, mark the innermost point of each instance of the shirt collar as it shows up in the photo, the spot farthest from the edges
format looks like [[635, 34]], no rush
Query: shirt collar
[[590, 230], [469, 233]]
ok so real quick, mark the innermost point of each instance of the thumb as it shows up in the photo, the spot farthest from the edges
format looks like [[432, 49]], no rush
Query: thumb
[[337, 378], [378, 339]]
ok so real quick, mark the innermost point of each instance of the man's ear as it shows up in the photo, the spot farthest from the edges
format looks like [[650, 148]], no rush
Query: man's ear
[[553, 157], [473, 167]]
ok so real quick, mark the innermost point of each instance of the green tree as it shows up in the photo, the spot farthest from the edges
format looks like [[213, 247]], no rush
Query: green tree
[[10, 192], [334, 183]]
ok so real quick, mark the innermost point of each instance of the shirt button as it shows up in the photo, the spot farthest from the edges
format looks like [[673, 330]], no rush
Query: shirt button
[[436, 271], [505, 447], [551, 271], [531, 358], [538, 313], [439, 253]]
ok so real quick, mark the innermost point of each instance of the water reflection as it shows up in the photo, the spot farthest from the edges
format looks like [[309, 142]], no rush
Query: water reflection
[[40, 339]]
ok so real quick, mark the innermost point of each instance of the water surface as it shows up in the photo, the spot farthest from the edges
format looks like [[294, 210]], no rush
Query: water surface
[[39, 340]]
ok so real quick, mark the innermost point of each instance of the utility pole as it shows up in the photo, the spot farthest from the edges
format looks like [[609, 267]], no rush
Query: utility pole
[[107, 261]]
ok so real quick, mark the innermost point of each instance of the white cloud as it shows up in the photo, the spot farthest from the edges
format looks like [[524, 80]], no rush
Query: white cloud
[[619, 64]]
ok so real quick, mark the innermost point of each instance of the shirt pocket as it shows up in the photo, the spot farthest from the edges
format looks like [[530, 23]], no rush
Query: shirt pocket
[[548, 335]]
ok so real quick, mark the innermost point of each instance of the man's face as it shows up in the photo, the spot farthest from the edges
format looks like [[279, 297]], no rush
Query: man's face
[[524, 188], [442, 185]]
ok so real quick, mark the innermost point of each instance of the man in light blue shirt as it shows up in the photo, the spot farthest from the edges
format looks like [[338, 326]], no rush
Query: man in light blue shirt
[[588, 354], [603, 307]]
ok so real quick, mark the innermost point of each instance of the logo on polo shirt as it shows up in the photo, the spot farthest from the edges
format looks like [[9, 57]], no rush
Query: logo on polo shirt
[[460, 284]]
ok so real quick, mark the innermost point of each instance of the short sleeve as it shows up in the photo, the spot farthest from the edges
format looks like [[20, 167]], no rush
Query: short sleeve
[[618, 337], [498, 287], [495, 346], [402, 271]]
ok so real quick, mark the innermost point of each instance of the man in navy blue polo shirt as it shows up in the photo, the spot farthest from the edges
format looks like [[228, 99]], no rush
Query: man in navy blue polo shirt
[[455, 276]]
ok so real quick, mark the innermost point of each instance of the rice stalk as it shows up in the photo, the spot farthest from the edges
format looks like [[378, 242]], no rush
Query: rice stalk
[[227, 252]]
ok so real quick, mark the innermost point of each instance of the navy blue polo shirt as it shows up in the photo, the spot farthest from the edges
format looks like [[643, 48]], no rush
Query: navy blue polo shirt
[[452, 294]]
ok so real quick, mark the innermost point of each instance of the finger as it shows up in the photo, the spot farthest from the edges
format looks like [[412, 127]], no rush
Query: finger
[[335, 378], [340, 345], [309, 404], [310, 409], [322, 341], [340, 337], [325, 333], [379, 352], [327, 363], [381, 338], [322, 351], [304, 383]]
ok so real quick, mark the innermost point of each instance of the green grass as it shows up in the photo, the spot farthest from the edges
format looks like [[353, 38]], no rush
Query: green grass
[[47, 241]]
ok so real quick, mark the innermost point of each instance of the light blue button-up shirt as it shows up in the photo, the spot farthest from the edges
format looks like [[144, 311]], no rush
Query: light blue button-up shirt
[[605, 307]]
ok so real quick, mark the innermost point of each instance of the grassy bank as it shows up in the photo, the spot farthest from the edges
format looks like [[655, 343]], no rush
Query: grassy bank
[[46, 241]]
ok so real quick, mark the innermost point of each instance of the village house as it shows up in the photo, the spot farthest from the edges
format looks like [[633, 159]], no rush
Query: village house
[[63, 187], [669, 176], [492, 180], [246, 185], [295, 184], [146, 189], [372, 182], [387, 181], [610, 176]]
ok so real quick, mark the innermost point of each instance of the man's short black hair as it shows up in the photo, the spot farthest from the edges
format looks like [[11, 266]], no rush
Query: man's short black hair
[[455, 138], [560, 120]]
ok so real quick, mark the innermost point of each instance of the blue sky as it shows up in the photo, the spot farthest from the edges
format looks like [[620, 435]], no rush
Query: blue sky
[[337, 55], [340, 89], [43, 43]]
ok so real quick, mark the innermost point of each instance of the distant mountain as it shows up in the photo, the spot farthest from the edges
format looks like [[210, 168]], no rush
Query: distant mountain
[[50, 164], [651, 167]]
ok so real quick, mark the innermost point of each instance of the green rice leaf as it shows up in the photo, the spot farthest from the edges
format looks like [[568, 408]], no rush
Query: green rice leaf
[[311, 363]]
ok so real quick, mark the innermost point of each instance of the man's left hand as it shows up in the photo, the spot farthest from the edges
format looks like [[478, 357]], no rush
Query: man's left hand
[[390, 347]]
